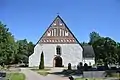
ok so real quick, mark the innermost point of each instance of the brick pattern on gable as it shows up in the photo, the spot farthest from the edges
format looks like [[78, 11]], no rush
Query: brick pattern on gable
[[58, 33]]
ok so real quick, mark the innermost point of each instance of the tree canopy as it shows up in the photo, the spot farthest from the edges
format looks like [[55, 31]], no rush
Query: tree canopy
[[107, 51], [13, 52]]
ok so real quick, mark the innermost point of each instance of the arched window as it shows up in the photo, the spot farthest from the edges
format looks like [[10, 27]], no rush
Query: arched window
[[58, 50]]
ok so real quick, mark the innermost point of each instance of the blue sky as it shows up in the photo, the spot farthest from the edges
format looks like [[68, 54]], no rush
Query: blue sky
[[30, 18]]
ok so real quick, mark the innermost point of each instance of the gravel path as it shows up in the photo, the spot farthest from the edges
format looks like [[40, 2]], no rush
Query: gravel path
[[31, 75]]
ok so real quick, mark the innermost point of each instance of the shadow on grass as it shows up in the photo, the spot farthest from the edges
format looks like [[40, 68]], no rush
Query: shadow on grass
[[43, 72], [67, 73], [40, 69], [113, 73]]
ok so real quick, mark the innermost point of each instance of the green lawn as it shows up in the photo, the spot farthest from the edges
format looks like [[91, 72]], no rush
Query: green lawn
[[43, 72], [88, 79], [40, 70], [15, 76], [113, 75]]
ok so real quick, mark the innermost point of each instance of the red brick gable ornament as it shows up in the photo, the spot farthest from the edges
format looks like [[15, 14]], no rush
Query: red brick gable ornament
[[58, 33]]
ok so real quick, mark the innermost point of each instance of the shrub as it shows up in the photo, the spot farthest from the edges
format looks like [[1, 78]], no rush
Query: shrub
[[113, 68], [80, 66], [106, 66], [69, 66], [41, 66], [85, 66], [100, 68]]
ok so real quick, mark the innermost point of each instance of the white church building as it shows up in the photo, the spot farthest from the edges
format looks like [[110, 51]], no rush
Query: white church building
[[60, 47]]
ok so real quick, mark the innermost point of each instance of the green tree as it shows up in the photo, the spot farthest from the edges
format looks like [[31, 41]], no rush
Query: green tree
[[41, 66], [84, 43], [7, 46], [22, 51], [118, 53], [105, 49], [30, 48], [12, 52], [110, 48], [94, 36]]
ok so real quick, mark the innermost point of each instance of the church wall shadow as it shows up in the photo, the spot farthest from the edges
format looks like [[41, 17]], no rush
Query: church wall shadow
[[67, 73]]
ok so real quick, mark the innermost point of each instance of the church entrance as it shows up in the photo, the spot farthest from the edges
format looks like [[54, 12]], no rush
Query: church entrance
[[57, 61]]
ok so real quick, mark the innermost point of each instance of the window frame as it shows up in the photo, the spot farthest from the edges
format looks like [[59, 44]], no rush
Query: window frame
[[58, 50]]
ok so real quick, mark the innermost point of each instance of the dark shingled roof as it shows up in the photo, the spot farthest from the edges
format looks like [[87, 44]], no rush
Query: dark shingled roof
[[88, 51]]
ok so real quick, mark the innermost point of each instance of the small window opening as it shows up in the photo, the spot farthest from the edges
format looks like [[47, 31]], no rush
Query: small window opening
[[58, 50]]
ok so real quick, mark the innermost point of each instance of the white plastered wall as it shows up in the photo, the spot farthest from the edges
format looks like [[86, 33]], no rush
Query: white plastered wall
[[71, 53], [89, 61]]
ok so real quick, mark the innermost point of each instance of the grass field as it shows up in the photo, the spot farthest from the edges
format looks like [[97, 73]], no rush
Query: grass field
[[40, 70], [88, 79], [43, 72], [15, 76], [114, 75]]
